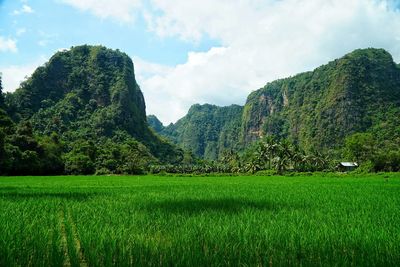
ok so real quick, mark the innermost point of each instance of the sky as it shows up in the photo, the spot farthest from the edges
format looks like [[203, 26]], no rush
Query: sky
[[197, 51]]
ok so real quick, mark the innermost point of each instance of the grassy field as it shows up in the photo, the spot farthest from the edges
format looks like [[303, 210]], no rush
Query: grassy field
[[200, 221]]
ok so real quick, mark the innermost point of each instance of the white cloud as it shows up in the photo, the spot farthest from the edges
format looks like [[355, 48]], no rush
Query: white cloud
[[207, 77], [27, 9], [7, 44], [24, 9], [12, 76], [145, 69], [20, 31], [46, 38], [261, 40], [121, 10]]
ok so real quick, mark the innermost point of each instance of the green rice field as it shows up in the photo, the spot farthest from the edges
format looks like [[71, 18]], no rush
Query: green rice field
[[319, 220]]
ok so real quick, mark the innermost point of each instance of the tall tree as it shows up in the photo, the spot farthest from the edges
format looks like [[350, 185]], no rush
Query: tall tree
[[360, 146]]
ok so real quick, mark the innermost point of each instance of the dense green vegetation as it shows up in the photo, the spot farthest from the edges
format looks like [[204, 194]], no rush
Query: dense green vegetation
[[267, 154], [314, 220], [372, 153], [207, 130], [83, 112], [320, 112], [155, 123]]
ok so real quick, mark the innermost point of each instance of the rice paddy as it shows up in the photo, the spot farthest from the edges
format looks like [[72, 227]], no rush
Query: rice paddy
[[319, 220]]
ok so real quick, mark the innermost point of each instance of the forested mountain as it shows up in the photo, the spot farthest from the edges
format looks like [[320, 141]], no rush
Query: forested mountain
[[316, 110], [206, 130], [155, 123], [88, 97], [83, 113]]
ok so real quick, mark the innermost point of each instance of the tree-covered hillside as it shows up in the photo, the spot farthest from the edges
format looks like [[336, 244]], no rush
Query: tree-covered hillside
[[83, 113], [207, 130], [316, 111], [155, 123], [87, 81], [88, 97]]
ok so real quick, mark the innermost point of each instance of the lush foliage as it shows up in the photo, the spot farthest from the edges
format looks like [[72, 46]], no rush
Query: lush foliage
[[206, 130], [314, 111], [89, 99], [198, 221], [373, 153], [21, 152], [24, 153], [318, 110], [84, 111], [155, 123], [267, 154]]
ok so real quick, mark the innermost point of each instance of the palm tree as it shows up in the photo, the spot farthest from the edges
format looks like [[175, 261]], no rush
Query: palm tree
[[271, 148], [320, 161], [230, 160], [284, 156], [254, 165], [298, 159]]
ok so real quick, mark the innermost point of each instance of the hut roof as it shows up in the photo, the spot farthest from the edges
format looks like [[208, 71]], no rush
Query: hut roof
[[349, 164]]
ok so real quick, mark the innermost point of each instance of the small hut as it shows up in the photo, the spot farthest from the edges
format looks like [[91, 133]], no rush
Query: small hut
[[347, 166]]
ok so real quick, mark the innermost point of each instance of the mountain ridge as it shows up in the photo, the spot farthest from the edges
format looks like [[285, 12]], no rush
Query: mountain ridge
[[318, 109], [88, 96], [215, 127]]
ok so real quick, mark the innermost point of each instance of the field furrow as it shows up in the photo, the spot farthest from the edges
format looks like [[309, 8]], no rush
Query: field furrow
[[319, 220]]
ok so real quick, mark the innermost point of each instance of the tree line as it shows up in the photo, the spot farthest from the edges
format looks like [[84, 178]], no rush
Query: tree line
[[26, 152]]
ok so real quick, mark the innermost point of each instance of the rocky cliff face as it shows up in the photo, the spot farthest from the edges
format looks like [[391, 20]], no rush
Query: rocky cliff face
[[95, 78], [86, 92], [319, 109], [359, 92]]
